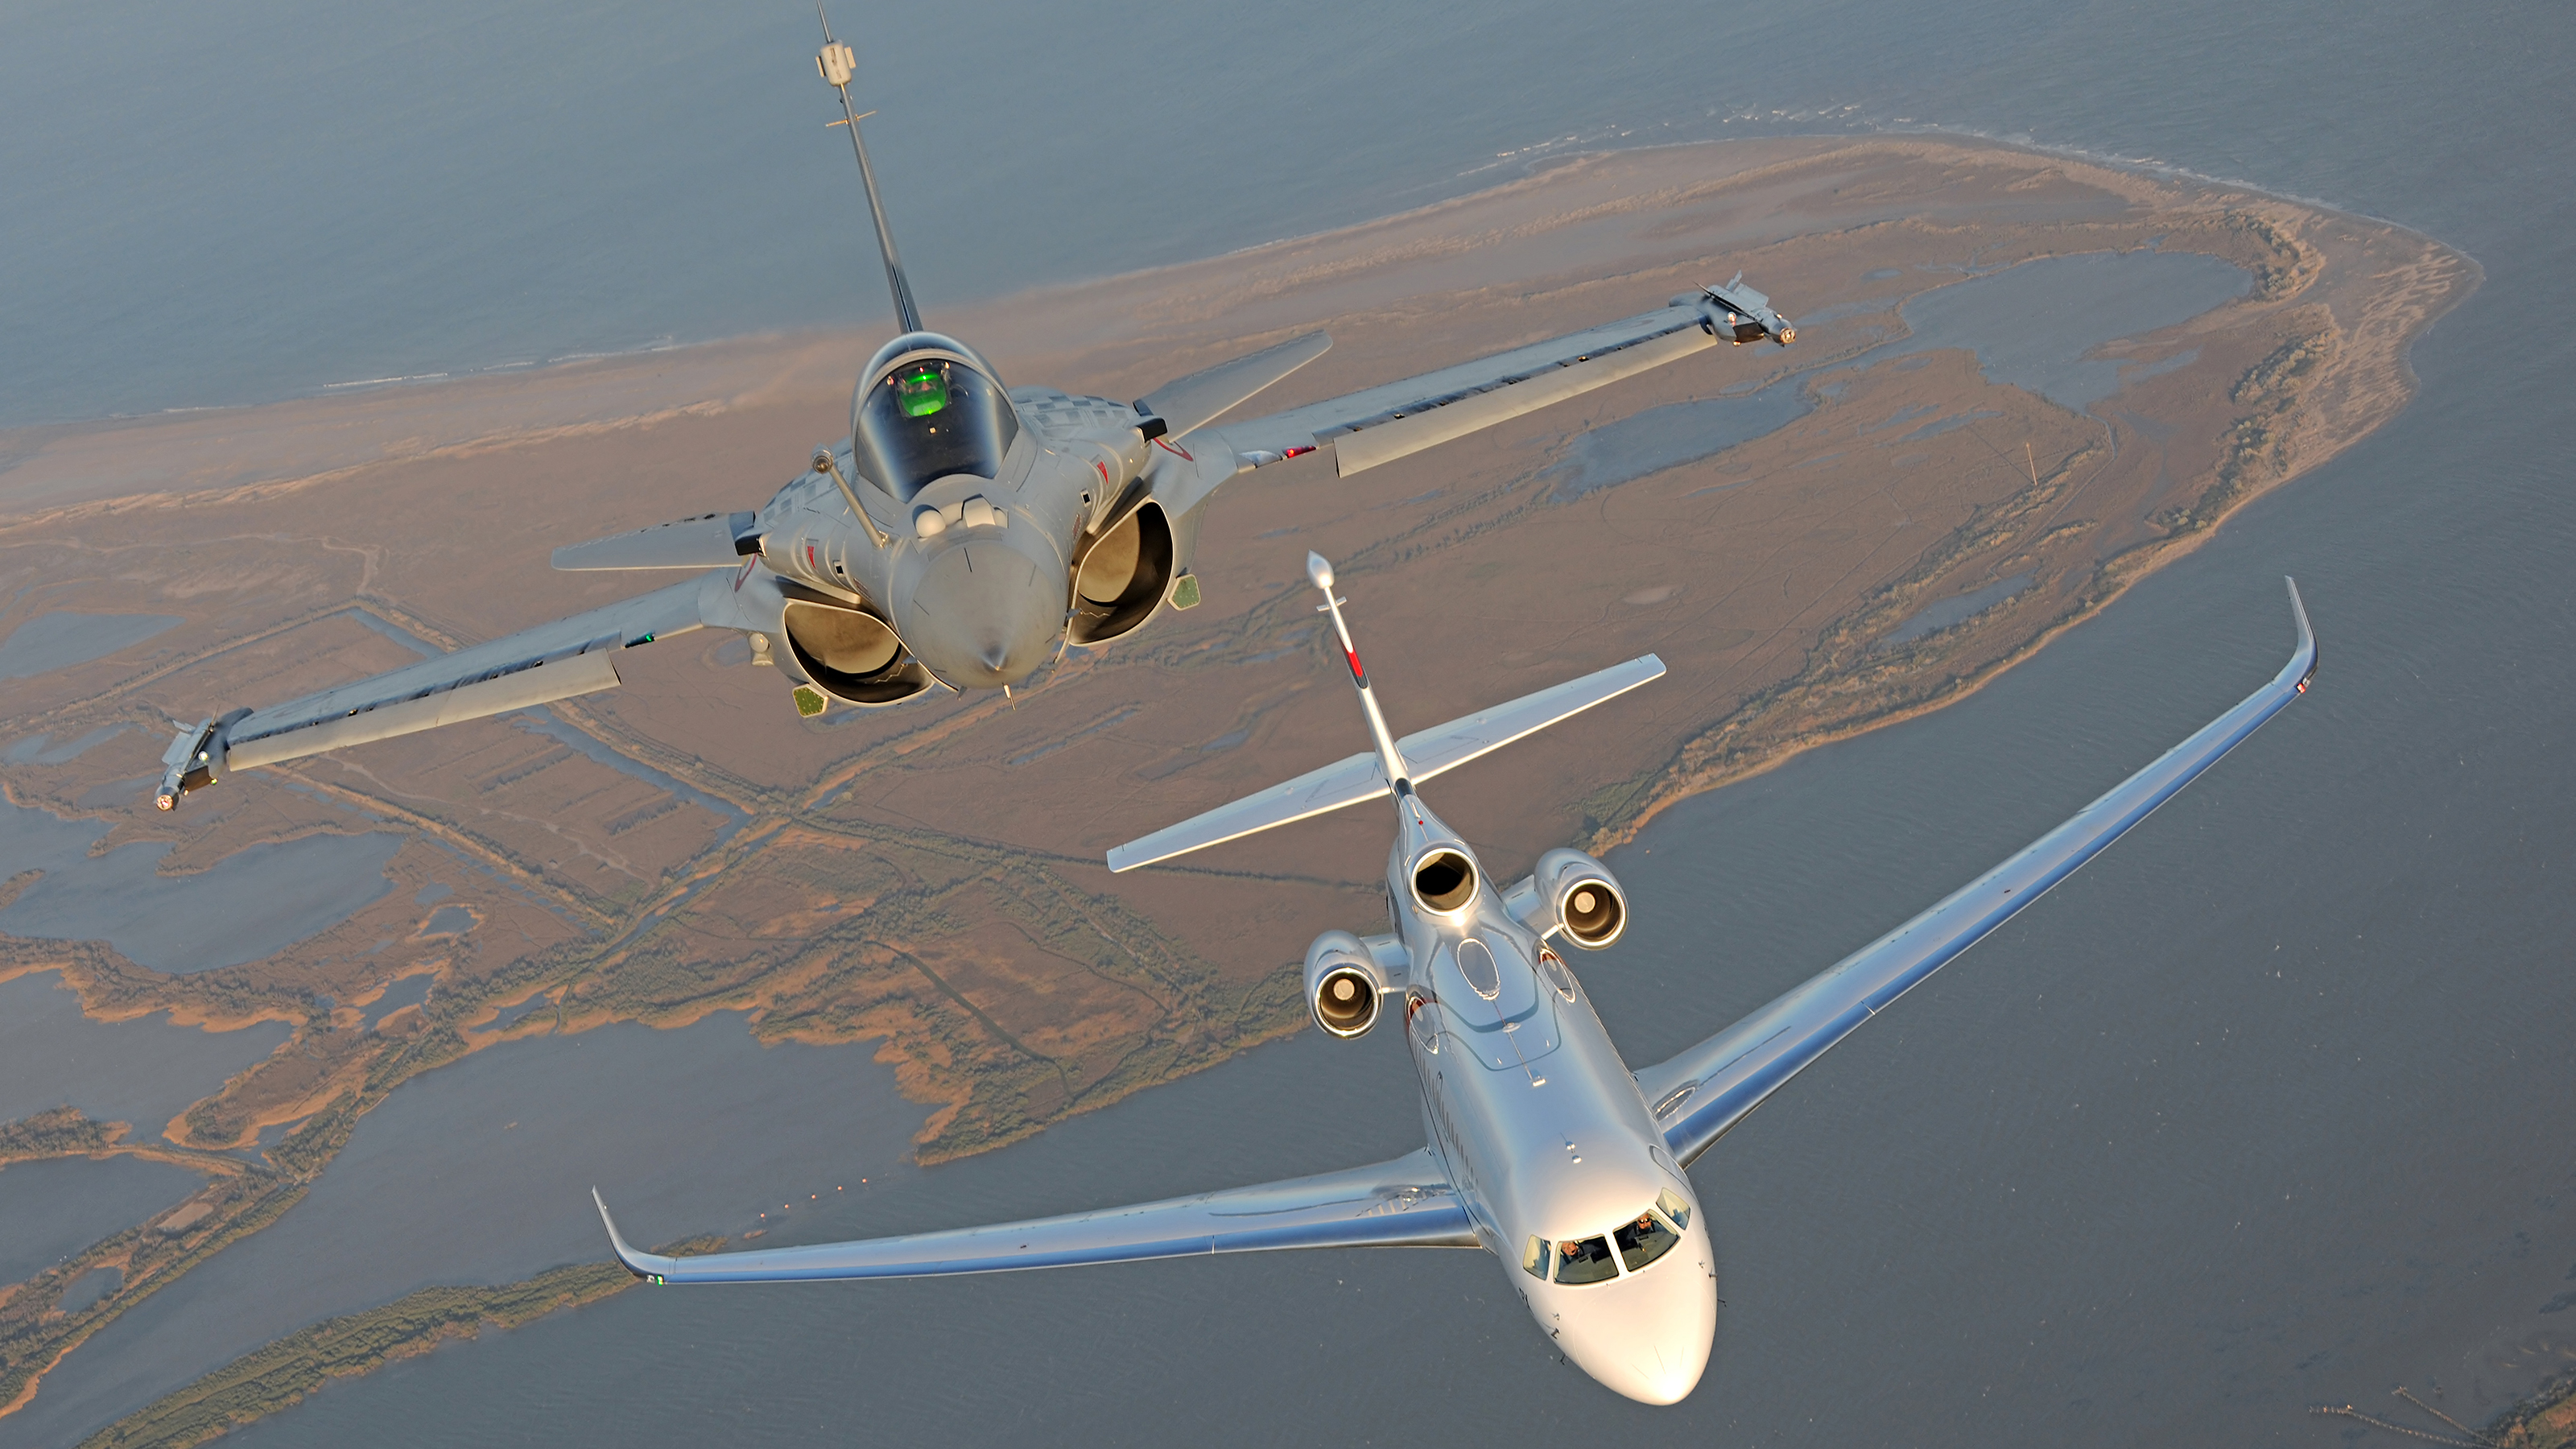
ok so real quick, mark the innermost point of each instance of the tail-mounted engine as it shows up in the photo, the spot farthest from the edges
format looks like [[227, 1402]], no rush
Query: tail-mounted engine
[[1573, 893], [851, 654], [1347, 976], [1120, 575]]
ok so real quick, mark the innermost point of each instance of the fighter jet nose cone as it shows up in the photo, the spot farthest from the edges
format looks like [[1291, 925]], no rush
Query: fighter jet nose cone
[[980, 615], [1319, 569]]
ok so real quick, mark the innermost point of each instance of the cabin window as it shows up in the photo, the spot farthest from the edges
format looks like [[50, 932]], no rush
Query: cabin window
[[1670, 1204], [1585, 1260]]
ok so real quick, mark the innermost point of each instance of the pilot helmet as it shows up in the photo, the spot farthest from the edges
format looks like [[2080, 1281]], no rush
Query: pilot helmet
[[921, 388]]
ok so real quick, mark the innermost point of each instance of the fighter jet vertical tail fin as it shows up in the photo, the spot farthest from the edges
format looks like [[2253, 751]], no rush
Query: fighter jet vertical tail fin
[[836, 64], [1390, 757]]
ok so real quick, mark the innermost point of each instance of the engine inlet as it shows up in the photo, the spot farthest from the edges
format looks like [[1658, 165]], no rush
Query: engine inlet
[[1345, 1003]]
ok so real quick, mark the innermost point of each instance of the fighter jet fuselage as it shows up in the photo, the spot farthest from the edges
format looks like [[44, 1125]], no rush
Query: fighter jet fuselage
[[961, 534], [911, 554]]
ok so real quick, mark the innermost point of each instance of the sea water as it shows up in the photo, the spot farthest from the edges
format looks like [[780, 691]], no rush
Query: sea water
[[2261, 1109]]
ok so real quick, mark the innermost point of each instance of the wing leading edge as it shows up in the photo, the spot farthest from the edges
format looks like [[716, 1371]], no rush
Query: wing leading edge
[[1396, 419], [1379, 424], [1407, 1202], [1699, 1095], [554, 661]]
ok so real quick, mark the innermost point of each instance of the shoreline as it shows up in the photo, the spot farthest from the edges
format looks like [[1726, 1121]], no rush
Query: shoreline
[[986, 956], [1706, 759], [2146, 167]]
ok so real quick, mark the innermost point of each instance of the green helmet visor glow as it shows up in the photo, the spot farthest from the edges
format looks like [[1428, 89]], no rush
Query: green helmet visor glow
[[922, 391]]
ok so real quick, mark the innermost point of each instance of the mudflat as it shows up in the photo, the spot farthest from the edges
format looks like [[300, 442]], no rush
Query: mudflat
[[2021, 382]]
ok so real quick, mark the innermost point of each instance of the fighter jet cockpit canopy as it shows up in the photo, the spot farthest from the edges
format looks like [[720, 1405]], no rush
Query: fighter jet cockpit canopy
[[927, 408]]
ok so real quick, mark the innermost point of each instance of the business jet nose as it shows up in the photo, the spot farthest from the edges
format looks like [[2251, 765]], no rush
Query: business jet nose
[[1645, 1336], [981, 614]]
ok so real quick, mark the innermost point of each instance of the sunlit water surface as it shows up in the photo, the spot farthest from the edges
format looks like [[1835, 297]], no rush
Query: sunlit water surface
[[2262, 1109]]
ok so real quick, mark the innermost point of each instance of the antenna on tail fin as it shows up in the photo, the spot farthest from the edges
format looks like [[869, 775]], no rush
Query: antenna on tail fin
[[835, 63], [1390, 759]]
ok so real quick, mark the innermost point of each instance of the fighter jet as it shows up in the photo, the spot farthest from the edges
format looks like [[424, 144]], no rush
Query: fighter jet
[[964, 532], [1545, 1149]]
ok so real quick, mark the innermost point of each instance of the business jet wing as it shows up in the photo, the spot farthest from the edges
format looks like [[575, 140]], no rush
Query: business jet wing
[[1405, 1203], [1697, 1096], [1392, 420]]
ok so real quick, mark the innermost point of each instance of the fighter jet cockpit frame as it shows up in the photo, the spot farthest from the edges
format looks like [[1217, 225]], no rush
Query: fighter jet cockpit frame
[[928, 408]]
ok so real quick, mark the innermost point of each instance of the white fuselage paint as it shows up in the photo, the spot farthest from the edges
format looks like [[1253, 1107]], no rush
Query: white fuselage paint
[[1544, 1132]]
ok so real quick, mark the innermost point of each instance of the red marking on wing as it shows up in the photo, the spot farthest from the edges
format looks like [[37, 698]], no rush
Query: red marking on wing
[[1168, 446]]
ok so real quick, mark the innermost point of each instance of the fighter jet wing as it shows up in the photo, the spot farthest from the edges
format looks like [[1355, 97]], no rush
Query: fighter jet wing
[[1195, 401], [1697, 1096], [1379, 424], [709, 541], [534, 666], [1404, 1203]]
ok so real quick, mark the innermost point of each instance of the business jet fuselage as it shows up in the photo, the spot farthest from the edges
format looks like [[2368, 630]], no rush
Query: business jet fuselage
[[1556, 1160]]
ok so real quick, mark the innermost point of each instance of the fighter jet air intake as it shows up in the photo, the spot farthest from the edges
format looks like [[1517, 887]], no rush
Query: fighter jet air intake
[[963, 533], [1546, 1150]]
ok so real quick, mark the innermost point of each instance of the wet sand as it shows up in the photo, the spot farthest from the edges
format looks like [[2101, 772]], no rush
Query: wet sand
[[1770, 574], [482, 1173], [924, 877]]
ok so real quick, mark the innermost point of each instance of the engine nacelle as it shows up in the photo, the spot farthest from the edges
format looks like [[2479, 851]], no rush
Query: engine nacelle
[[1571, 892], [1346, 977], [1121, 574], [851, 654]]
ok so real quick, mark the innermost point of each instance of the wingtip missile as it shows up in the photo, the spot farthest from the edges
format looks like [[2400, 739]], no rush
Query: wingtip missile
[[1740, 314]]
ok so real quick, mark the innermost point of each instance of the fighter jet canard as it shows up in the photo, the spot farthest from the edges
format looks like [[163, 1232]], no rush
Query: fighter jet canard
[[1545, 1149], [964, 533]]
